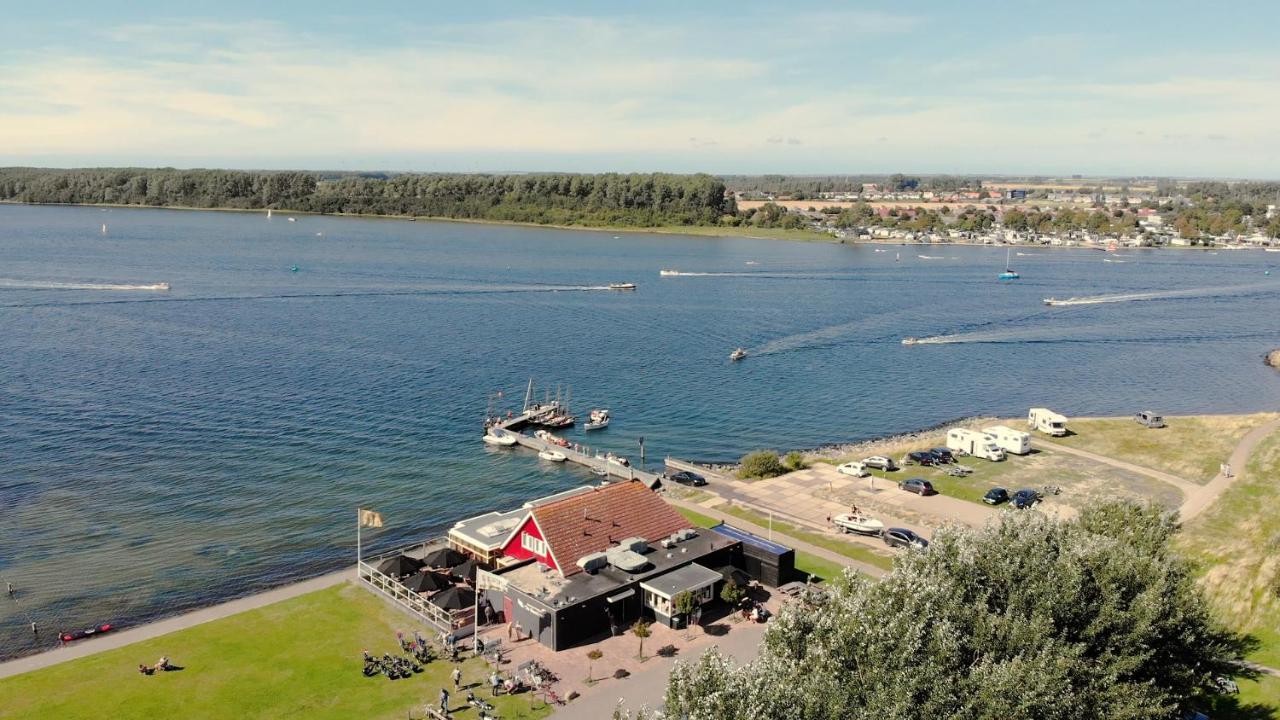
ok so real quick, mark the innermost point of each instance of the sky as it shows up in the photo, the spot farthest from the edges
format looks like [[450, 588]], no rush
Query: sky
[[1187, 89]]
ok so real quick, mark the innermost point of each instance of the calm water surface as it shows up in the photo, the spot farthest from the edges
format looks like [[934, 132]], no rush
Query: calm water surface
[[163, 450]]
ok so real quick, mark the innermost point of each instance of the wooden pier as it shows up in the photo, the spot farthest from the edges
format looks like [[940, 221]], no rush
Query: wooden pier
[[614, 471]]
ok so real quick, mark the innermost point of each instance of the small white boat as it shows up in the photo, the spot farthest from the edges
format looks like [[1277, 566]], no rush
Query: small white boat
[[618, 460], [1271, 249], [858, 523], [909, 340], [500, 437], [553, 455], [622, 286], [737, 355], [599, 420], [104, 228], [268, 213], [293, 219], [668, 273]]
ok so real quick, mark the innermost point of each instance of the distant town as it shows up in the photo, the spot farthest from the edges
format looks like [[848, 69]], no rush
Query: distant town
[[1072, 212]]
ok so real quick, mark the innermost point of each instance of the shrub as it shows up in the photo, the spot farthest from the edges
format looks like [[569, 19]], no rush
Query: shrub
[[795, 461], [761, 464]]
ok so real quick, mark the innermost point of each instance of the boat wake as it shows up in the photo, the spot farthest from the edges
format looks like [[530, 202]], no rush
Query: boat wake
[[1159, 295], [6, 283], [1088, 334]]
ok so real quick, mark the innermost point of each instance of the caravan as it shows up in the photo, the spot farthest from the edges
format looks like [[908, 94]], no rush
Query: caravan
[[1008, 439], [1047, 421], [972, 442]]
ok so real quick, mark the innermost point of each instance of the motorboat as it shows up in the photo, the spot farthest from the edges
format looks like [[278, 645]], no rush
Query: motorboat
[[909, 340], [668, 273], [545, 436], [599, 472], [499, 437], [737, 355], [858, 523], [553, 455], [1009, 273], [622, 286], [613, 459], [599, 420]]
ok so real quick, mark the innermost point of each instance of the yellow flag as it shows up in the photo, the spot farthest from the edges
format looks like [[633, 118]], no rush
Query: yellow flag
[[370, 518]]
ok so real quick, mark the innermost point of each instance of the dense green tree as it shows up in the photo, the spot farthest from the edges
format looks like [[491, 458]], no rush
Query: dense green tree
[[1029, 617]]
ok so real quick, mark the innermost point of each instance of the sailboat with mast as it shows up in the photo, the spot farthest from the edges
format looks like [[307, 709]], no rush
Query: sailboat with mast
[[1009, 273]]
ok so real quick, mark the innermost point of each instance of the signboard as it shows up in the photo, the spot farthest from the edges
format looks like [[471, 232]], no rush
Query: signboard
[[486, 580]]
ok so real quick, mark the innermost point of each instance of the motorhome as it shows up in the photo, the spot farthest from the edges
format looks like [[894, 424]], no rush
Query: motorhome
[[1047, 421], [1008, 439], [972, 442]]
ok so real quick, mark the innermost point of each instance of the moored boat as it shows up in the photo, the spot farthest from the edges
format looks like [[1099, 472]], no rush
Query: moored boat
[[553, 455], [599, 420], [498, 436], [1009, 273]]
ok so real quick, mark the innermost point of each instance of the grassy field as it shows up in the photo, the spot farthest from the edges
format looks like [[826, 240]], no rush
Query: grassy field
[[1257, 700], [1190, 447], [812, 564], [1235, 543], [294, 659]]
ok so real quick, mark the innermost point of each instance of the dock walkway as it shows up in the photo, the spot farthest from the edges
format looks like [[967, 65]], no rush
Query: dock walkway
[[614, 470]]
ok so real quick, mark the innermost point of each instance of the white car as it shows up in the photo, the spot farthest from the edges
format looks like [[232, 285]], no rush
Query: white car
[[855, 469]]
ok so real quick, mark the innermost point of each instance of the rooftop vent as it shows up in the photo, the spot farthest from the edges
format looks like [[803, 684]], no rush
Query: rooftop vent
[[634, 544], [593, 562], [626, 560]]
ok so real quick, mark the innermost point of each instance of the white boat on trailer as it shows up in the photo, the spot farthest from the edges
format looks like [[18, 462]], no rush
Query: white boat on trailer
[[858, 523]]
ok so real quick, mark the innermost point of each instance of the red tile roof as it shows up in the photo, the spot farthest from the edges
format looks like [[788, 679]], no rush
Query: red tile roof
[[595, 521]]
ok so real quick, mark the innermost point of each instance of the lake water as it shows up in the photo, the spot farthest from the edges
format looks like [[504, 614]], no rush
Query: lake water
[[164, 450]]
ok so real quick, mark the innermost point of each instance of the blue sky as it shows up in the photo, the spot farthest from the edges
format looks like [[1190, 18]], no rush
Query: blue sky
[[1174, 88]]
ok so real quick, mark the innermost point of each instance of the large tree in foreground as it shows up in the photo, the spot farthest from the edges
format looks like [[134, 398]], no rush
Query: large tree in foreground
[[1029, 617]]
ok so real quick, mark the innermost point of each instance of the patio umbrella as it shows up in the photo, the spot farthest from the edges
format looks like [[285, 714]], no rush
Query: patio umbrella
[[399, 565], [465, 571], [427, 582], [443, 558], [455, 598]]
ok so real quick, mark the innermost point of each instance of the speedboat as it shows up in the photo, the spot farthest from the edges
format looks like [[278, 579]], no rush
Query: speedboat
[[668, 273], [858, 523], [553, 455], [622, 286], [599, 420], [500, 437], [909, 340], [737, 355]]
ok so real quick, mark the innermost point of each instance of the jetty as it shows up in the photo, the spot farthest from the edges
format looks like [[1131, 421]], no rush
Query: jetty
[[574, 453]]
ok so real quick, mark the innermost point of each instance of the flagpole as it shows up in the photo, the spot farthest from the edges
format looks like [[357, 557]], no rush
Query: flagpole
[[357, 540]]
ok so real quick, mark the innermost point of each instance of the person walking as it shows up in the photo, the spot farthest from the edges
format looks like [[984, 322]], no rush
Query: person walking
[[444, 701], [457, 678]]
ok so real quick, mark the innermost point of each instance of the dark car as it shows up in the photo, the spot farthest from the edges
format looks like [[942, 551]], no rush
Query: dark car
[[902, 537], [919, 486], [684, 477], [1024, 499], [918, 457], [995, 496], [880, 463], [941, 455]]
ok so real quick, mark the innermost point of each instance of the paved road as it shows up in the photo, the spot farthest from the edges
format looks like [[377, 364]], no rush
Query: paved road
[[115, 640], [1205, 496]]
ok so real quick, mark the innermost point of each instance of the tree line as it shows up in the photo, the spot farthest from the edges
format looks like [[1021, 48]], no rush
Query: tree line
[[643, 200]]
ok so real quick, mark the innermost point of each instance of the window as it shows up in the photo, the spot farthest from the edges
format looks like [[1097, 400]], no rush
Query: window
[[534, 545]]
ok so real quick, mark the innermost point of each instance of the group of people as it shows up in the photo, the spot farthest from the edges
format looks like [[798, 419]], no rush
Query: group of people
[[163, 665]]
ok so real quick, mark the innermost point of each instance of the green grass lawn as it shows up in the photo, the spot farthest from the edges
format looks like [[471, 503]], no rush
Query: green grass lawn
[[821, 568], [1190, 447], [1257, 699], [299, 658]]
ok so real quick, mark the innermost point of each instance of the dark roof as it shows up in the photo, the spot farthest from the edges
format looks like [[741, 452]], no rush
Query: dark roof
[[596, 520], [399, 565], [751, 539]]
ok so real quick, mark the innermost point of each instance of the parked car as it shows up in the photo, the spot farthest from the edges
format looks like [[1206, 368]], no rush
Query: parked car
[[855, 469], [879, 462], [684, 477], [918, 457], [1149, 419], [903, 538], [995, 496], [1024, 499], [919, 486], [941, 455]]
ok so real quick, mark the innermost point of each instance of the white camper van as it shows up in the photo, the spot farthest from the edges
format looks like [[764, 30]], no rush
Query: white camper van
[[1008, 439], [1047, 421], [972, 442]]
